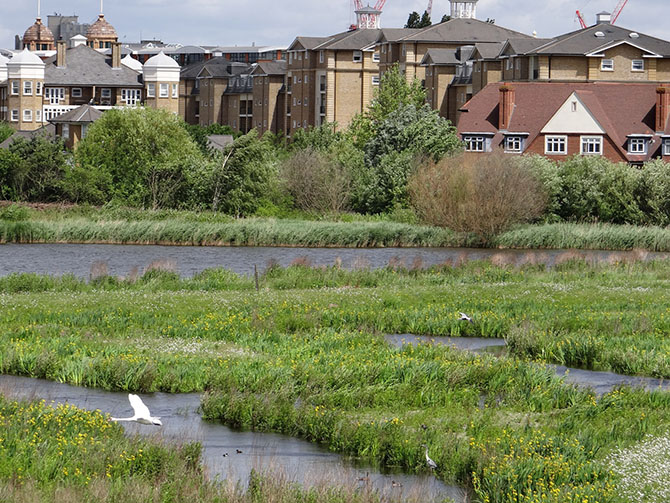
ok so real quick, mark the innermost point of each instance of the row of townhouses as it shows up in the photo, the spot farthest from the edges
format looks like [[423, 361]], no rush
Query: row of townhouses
[[601, 90]]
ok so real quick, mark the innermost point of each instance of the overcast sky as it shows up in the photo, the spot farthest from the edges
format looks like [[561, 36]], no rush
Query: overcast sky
[[278, 22]]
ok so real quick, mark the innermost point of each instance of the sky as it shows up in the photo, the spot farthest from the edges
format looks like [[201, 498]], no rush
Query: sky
[[278, 22]]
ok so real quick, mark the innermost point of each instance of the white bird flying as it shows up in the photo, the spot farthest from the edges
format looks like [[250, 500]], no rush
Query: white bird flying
[[431, 464], [465, 317], [142, 414]]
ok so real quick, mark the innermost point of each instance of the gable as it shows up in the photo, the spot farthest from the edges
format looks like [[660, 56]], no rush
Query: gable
[[573, 117]]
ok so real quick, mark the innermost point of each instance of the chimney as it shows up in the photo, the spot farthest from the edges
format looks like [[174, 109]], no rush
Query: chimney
[[603, 17], [116, 55], [60, 53], [506, 106], [662, 107]]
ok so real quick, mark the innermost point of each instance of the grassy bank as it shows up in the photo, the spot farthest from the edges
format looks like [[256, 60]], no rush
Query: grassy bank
[[304, 356], [75, 224]]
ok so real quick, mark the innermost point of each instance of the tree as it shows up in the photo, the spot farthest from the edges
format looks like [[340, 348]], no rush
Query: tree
[[445, 18], [139, 157], [5, 131], [425, 20], [413, 20]]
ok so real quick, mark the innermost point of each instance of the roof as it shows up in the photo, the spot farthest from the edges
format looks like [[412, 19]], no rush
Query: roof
[[49, 129], [462, 30], [447, 57], [488, 50], [271, 68], [622, 109], [218, 67], [25, 57], [396, 34], [38, 33], [82, 114], [524, 45], [87, 67], [161, 60], [240, 84], [132, 63], [101, 29], [220, 141], [307, 43], [583, 42]]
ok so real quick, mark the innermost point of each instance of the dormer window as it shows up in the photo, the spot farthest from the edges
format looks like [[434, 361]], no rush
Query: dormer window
[[666, 146], [477, 142], [514, 144], [637, 146], [607, 65]]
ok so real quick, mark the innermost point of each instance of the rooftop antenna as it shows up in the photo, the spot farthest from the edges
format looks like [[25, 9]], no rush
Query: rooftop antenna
[[39, 9], [101, 11]]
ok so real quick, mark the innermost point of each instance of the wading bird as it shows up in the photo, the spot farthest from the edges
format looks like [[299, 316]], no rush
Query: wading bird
[[465, 317], [431, 464], [142, 414]]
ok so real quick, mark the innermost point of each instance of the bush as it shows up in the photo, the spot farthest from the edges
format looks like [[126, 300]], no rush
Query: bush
[[480, 194], [654, 192], [316, 181]]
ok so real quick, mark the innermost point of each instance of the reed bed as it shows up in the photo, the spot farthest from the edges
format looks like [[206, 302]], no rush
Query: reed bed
[[305, 356]]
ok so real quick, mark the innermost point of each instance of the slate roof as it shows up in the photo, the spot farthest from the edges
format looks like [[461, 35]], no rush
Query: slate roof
[[489, 50], [352, 40], [79, 115], [622, 109], [582, 42], [524, 45], [217, 67], [464, 31], [307, 43], [48, 130], [240, 84], [271, 68], [396, 34], [87, 67], [447, 57]]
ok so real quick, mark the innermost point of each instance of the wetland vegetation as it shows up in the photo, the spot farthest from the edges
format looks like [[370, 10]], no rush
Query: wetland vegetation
[[305, 355]]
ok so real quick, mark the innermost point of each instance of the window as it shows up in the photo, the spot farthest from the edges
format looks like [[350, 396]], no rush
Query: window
[[375, 57], [514, 144], [404, 49], [27, 116], [509, 64], [164, 91], [637, 145], [38, 115], [290, 58], [592, 145], [573, 106], [151, 90], [305, 102], [294, 101], [105, 93], [293, 124], [131, 96], [358, 56], [518, 64], [76, 92], [666, 146], [175, 90], [28, 88], [15, 87], [295, 79], [66, 131], [475, 143], [54, 94], [607, 65], [556, 145], [15, 116], [304, 123], [38, 89], [306, 79], [375, 80], [321, 57], [383, 48], [211, 102], [197, 84], [638, 65]]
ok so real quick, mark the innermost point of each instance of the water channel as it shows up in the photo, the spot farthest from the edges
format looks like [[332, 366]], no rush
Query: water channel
[[297, 460], [598, 381], [122, 260]]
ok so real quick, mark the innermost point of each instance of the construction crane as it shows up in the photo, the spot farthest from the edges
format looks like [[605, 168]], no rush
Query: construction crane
[[615, 14], [581, 20], [429, 10], [367, 19]]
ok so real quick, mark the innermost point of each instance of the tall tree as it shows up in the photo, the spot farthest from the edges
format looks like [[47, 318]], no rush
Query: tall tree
[[425, 20], [413, 20], [445, 18]]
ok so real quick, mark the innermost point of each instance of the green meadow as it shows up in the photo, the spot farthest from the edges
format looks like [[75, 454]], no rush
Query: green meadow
[[305, 355]]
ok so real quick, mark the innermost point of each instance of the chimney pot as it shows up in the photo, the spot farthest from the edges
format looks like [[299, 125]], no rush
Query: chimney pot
[[506, 106], [662, 107], [116, 55], [61, 50]]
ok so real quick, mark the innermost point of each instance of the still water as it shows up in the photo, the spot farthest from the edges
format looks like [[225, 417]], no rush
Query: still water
[[283, 456], [124, 260]]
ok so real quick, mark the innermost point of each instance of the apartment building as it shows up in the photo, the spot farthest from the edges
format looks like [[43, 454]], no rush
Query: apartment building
[[448, 77], [269, 96], [238, 103], [330, 79]]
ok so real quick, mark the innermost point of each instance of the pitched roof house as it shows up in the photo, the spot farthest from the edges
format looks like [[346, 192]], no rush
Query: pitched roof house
[[622, 121]]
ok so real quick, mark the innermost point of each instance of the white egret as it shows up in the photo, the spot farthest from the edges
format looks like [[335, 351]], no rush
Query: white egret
[[465, 317], [142, 414], [431, 464]]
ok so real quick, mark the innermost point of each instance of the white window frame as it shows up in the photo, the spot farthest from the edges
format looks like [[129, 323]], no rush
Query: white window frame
[[106, 93], [16, 87], [666, 146], [175, 90], [15, 115], [290, 58], [38, 115], [358, 56], [164, 90], [640, 64], [131, 96], [27, 87], [321, 57], [376, 58], [66, 131], [638, 146], [509, 64], [27, 115], [514, 144], [554, 141], [77, 92], [475, 143], [54, 94], [591, 145], [38, 88], [305, 102], [151, 90], [375, 80], [607, 65]]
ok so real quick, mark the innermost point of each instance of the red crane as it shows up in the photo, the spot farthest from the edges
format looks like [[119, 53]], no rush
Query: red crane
[[429, 10], [615, 14], [581, 20]]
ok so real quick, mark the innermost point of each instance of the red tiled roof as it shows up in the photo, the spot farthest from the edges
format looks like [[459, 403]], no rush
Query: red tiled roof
[[622, 109]]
